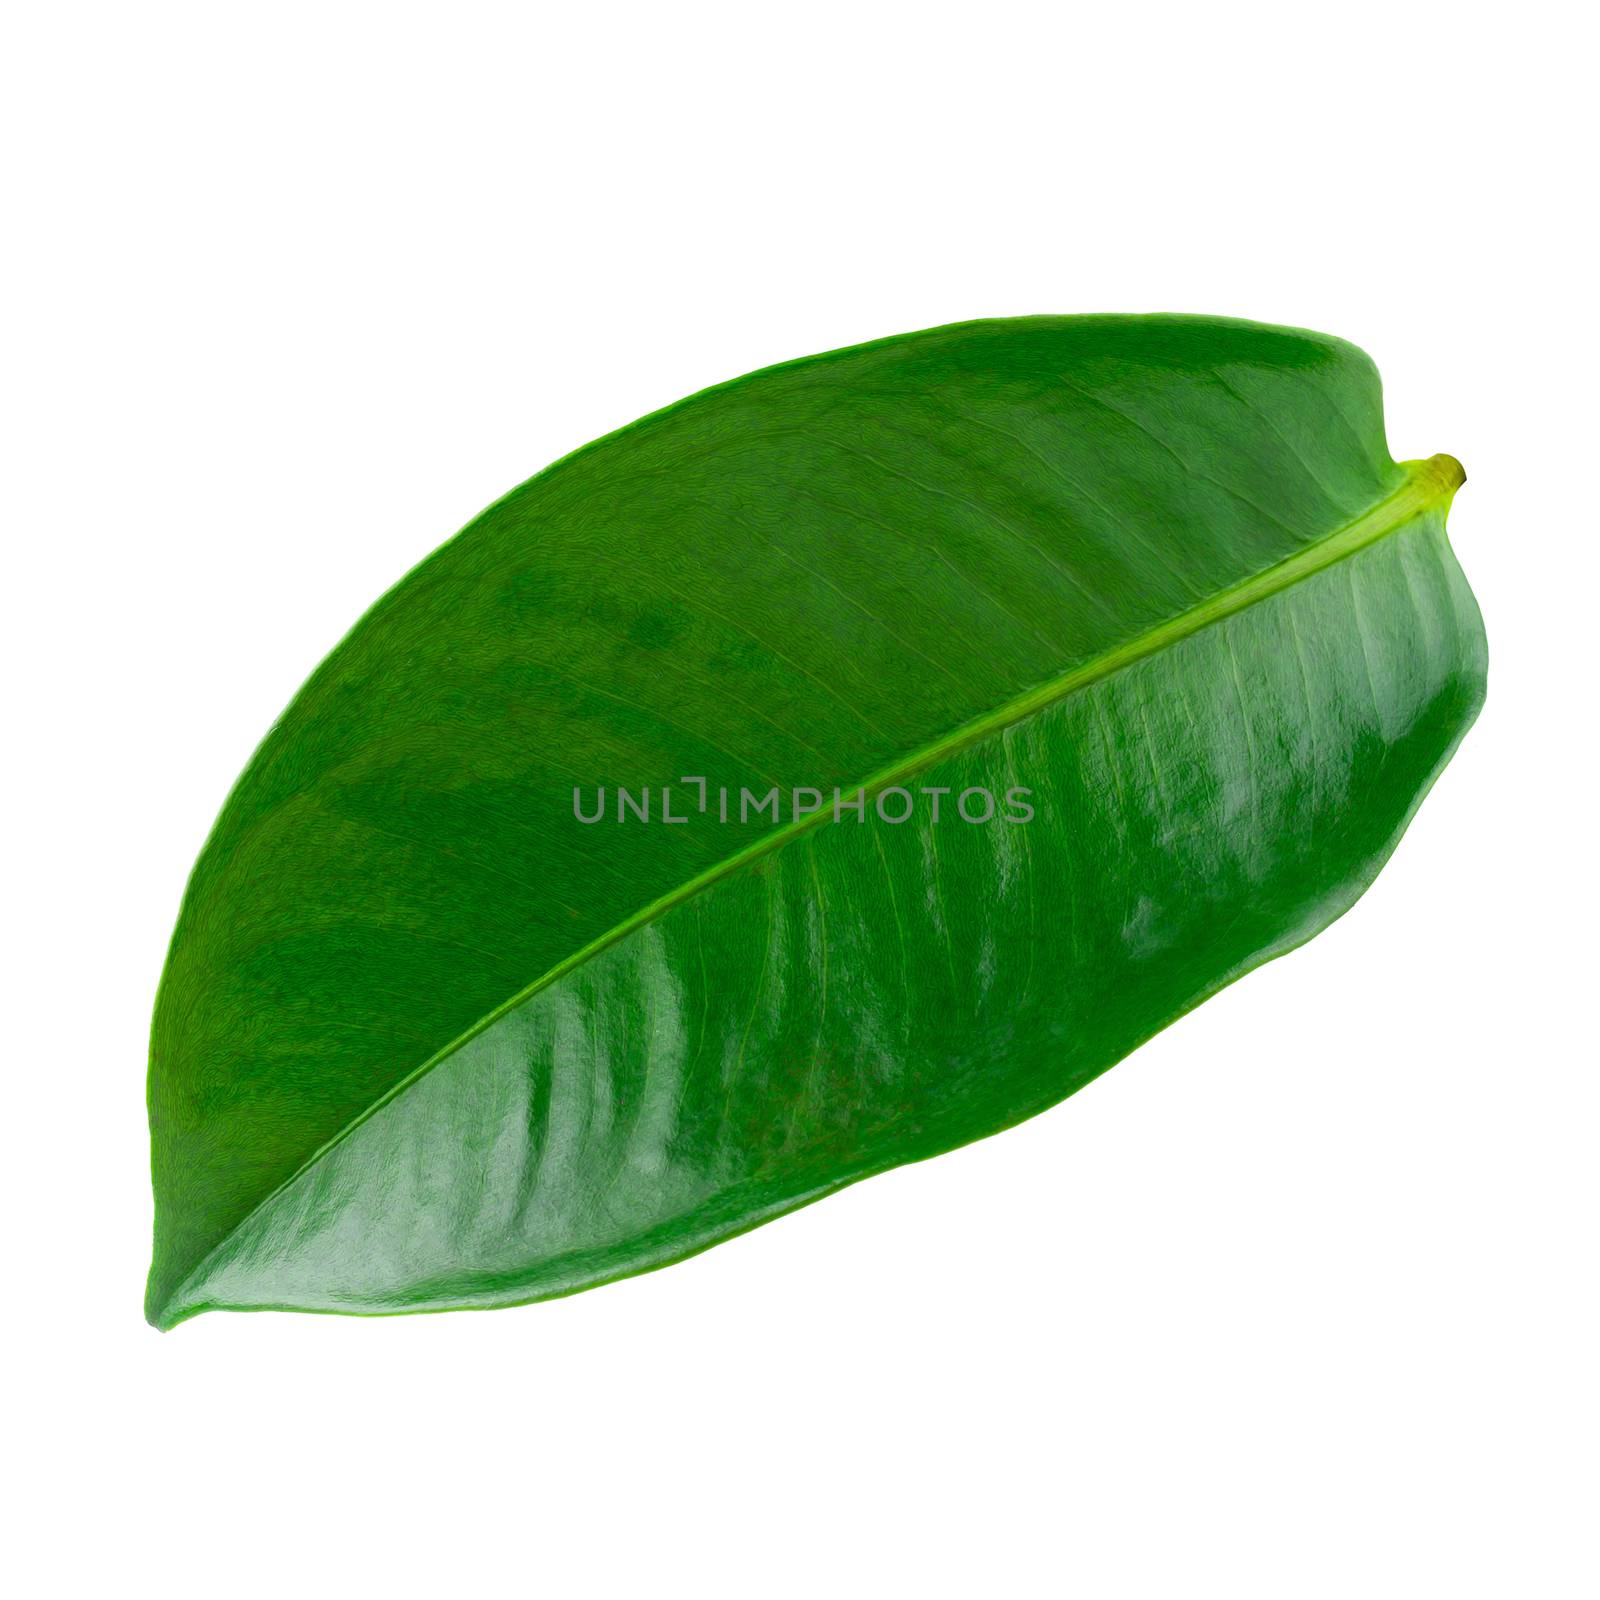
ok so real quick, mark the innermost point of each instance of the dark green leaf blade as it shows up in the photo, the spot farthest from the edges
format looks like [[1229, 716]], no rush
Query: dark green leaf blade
[[425, 1040]]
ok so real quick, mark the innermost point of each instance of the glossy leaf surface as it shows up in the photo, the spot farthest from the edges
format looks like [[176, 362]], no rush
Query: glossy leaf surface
[[425, 1039]]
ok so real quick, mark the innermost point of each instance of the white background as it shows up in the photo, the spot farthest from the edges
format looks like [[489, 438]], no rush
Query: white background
[[1300, 1301]]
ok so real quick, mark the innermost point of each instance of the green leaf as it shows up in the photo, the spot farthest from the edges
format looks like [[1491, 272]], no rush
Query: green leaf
[[426, 1039]]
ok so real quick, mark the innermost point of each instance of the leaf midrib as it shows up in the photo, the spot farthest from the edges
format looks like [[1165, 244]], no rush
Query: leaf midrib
[[1426, 483]]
